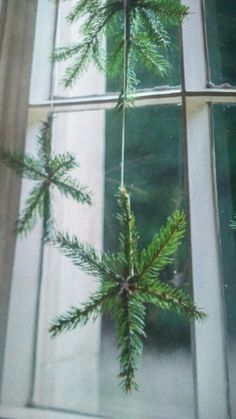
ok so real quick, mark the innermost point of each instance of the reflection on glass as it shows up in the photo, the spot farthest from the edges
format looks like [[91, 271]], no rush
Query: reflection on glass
[[221, 33], [154, 176], [224, 117]]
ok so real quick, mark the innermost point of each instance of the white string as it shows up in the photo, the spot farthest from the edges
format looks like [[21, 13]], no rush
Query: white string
[[42, 254], [124, 98], [52, 81], [52, 88]]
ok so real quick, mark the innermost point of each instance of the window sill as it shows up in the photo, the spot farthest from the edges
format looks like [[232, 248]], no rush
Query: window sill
[[35, 413]]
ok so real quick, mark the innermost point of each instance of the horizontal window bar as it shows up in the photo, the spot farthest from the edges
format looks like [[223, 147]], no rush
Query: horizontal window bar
[[143, 98], [146, 97]]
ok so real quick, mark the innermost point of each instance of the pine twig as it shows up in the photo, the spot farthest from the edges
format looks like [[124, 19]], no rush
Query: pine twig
[[146, 38], [47, 170], [129, 280]]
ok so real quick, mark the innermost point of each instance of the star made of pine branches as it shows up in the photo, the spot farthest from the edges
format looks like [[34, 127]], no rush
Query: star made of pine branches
[[128, 281], [146, 37], [48, 170]]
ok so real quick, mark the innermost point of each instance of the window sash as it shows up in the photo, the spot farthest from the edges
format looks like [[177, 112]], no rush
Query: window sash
[[195, 98]]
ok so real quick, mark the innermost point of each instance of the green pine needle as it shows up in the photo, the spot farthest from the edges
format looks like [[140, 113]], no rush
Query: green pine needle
[[164, 244], [47, 170], [75, 316], [128, 281], [146, 38], [33, 208]]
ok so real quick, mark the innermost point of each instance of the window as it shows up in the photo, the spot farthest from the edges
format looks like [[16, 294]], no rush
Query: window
[[179, 154]]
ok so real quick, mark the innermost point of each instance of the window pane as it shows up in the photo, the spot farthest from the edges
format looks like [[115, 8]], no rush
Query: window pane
[[224, 117], [43, 46], [147, 78], [154, 175], [67, 367], [79, 369], [221, 33], [92, 81]]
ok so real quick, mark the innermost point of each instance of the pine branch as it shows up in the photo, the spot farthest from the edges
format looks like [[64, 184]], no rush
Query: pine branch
[[44, 140], [149, 55], [155, 29], [130, 322], [72, 188], [146, 37], [171, 10], [33, 208], [74, 316], [82, 8], [127, 286], [164, 244], [22, 164], [62, 164], [48, 170], [93, 31], [167, 297], [83, 256]]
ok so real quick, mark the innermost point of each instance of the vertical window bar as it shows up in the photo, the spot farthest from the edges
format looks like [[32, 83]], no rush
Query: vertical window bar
[[209, 338]]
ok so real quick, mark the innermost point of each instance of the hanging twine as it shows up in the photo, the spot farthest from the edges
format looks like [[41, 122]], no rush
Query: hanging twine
[[52, 87], [52, 81], [124, 97]]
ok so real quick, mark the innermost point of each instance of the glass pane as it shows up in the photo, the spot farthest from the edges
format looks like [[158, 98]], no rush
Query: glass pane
[[148, 79], [43, 45], [224, 117], [154, 174], [78, 370], [221, 33], [67, 367], [92, 81]]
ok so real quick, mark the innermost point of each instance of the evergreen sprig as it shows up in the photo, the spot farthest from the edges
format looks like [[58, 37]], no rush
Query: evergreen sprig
[[47, 170], [129, 280], [146, 37]]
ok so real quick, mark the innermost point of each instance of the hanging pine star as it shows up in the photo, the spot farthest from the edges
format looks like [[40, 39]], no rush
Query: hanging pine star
[[48, 170], [146, 37], [129, 280]]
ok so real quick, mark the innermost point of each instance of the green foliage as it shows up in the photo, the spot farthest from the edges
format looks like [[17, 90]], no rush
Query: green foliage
[[47, 170], [146, 36], [129, 280], [156, 256]]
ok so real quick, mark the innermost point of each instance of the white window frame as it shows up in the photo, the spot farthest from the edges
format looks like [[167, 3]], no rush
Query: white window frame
[[209, 339]]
